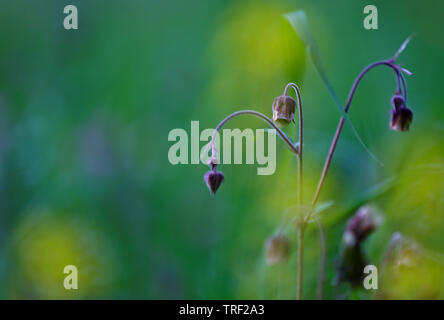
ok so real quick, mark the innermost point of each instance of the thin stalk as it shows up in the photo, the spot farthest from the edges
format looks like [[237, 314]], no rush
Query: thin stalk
[[300, 261], [322, 250], [300, 190], [401, 87], [341, 121], [300, 138], [296, 150]]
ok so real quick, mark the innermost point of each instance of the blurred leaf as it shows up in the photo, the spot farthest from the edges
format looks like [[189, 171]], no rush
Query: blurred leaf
[[299, 21], [318, 209], [323, 206]]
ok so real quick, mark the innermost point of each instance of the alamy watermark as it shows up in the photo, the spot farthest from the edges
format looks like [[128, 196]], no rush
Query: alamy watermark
[[70, 282], [187, 148]]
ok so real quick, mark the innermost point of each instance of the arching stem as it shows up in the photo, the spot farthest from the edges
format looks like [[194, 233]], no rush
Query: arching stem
[[281, 134], [300, 138], [296, 149], [400, 83], [401, 88]]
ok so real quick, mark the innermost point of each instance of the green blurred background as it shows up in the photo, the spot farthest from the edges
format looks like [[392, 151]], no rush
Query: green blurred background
[[84, 120]]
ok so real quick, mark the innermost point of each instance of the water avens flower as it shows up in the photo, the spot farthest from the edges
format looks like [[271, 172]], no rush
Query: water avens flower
[[402, 116], [284, 108], [278, 249], [360, 226], [213, 179], [352, 257]]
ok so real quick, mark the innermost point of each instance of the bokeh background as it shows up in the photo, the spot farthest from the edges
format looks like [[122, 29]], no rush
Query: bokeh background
[[84, 171]]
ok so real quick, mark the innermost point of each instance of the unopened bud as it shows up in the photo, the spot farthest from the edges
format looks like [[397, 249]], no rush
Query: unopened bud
[[360, 226], [213, 179], [402, 116], [283, 110], [353, 258]]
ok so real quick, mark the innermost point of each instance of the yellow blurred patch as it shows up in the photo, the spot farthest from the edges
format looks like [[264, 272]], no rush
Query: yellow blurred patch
[[44, 243], [417, 202], [254, 52]]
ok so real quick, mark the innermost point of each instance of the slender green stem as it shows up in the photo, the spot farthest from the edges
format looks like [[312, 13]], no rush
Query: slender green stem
[[300, 190], [322, 251], [300, 260], [300, 139], [301, 224]]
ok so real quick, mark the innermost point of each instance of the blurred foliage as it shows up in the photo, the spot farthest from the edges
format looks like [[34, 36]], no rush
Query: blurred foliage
[[84, 120]]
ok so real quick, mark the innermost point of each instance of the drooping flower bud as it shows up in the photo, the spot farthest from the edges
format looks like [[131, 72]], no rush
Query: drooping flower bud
[[213, 179], [360, 226], [283, 110], [353, 258], [401, 119], [402, 116], [278, 249]]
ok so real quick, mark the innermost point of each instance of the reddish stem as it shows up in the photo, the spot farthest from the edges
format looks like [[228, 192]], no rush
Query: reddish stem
[[400, 84]]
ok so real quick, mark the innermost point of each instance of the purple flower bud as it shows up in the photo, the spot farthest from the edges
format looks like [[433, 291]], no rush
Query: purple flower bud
[[402, 116], [353, 258], [283, 110], [213, 180], [278, 249], [401, 119], [360, 226]]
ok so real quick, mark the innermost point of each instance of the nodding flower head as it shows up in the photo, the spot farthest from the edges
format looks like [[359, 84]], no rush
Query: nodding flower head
[[213, 179], [353, 258], [360, 226], [278, 249], [402, 116], [283, 110]]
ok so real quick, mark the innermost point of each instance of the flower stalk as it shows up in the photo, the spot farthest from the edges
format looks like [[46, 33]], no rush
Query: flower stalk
[[300, 189], [408, 115], [400, 88]]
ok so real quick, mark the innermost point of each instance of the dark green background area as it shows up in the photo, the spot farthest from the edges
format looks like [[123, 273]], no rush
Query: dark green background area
[[84, 122]]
